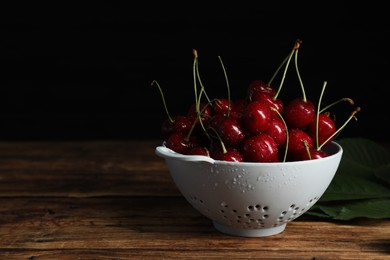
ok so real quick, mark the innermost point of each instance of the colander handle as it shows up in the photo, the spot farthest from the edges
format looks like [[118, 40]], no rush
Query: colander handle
[[167, 153]]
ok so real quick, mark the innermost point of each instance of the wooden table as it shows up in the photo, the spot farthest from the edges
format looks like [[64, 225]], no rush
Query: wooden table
[[116, 200]]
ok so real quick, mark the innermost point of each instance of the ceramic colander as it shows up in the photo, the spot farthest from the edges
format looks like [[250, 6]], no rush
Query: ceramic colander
[[251, 199]]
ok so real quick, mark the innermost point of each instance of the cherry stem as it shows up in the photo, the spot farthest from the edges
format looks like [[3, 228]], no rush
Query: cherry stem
[[349, 100], [340, 128], [220, 140], [163, 99], [197, 99], [198, 119], [279, 68], [195, 53], [227, 85], [307, 149], [318, 111], [200, 81], [287, 137], [298, 74], [286, 60]]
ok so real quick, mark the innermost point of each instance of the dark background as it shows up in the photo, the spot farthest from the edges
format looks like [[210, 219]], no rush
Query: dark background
[[83, 71]]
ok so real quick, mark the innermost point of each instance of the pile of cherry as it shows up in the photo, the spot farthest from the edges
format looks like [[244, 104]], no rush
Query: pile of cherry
[[257, 128]]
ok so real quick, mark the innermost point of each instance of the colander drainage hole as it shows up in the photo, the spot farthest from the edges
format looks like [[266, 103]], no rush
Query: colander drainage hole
[[257, 207], [312, 201]]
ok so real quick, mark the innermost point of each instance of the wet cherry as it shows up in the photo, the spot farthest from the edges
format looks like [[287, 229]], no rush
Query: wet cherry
[[179, 143], [277, 131], [199, 150], [310, 154], [222, 105], [298, 140], [269, 100], [231, 154], [298, 113], [179, 123], [230, 131], [260, 148], [257, 117], [326, 128], [257, 87]]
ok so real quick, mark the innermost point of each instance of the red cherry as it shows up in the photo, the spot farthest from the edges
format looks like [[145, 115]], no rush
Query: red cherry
[[205, 111], [326, 128], [271, 102], [298, 113], [257, 117], [222, 105], [166, 128], [277, 131], [230, 131], [179, 123], [257, 87], [260, 148], [239, 105], [199, 150], [216, 120], [179, 143], [298, 140], [231, 154], [310, 154]]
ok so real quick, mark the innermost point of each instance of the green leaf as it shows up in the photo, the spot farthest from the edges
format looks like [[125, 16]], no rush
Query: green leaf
[[377, 208], [315, 210], [365, 151], [360, 187], [349, 187], [383, 173], [355, 181], [356, 177]]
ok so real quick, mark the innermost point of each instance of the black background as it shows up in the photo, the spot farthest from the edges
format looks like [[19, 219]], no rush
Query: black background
[[83, 71]]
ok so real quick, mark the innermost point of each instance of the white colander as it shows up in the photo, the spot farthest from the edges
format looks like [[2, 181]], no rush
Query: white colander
[[251, 199]]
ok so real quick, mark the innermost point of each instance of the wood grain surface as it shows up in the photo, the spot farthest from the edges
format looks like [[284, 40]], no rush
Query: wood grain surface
[[116, 200]]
